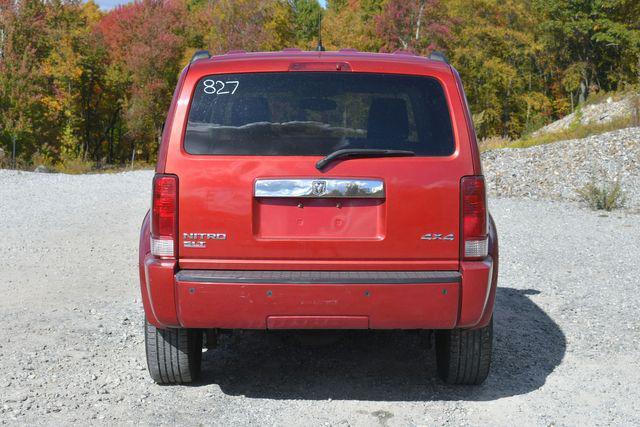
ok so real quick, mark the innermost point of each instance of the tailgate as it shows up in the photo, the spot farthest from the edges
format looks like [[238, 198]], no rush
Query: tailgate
[[282, 208]]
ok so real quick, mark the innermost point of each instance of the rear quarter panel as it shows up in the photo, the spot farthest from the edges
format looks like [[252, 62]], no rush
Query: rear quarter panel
[[144, 249]]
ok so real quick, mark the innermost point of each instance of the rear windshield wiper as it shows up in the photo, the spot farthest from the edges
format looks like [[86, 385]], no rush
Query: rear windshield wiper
[[361, 152]]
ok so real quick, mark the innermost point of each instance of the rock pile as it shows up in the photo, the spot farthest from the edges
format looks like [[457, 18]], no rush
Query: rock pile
[[556, 171]]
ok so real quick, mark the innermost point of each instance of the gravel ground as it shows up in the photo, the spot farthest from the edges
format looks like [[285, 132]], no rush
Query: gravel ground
[[71, 346], [555, 171]]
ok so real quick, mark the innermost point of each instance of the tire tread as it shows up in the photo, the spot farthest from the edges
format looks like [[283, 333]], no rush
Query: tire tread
[[464, 356], [173, 355]]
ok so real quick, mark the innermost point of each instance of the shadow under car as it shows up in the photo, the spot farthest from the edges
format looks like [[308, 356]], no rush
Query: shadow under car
[[386, 365]]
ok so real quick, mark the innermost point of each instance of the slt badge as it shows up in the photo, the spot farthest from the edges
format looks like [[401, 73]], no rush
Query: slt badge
[[199, 240]]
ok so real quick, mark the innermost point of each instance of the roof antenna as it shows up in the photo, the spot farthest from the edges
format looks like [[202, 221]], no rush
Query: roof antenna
[[320, 47]]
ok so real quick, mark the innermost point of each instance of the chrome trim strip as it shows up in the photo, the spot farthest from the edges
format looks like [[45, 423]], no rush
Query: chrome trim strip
[[320, 188], [318, 277]]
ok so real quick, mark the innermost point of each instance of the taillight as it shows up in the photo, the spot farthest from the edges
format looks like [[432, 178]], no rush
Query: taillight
[[475, 243], [164, 215]]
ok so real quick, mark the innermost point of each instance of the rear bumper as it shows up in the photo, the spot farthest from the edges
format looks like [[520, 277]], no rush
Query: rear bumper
[[316, 299]]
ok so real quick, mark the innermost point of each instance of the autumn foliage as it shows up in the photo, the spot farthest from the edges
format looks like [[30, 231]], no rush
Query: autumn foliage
[[81, 84]]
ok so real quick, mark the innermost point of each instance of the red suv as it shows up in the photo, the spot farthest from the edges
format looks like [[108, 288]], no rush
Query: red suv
[[318, 190]]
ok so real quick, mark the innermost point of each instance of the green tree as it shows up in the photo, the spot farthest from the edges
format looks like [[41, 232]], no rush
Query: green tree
[[23, 87], [307, 15], [495, 50], [75, 66], [597, 40]]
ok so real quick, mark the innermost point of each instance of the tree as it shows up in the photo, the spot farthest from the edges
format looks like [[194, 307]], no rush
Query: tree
[[75, 67], [75, 81], [599, 40], [495, 51], [351, 24], [23, 87], [307, 15], [146, 41], [251, 25], [420, 26]]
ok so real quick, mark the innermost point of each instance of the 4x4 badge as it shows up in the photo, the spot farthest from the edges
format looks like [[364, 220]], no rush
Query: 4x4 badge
[[436, 236], [318, 188]]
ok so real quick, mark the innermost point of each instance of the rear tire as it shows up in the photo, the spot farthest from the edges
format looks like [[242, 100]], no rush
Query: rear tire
[[174, 355], [464, 356]]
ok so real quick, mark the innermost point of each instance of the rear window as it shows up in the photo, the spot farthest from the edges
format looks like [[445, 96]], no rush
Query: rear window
[[309, 113]]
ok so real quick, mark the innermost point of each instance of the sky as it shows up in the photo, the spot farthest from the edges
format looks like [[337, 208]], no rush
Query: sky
[[109, 4]]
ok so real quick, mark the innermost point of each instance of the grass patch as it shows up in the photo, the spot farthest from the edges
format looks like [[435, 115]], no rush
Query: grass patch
[[74, 165], [618, 95], [577, 131], [136, 167], [607, 196], [493, 143]]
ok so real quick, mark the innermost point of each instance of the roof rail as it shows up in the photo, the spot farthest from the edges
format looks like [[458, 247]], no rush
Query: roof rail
[[200, 54], [404, 52], [235, 51], [438, 56]]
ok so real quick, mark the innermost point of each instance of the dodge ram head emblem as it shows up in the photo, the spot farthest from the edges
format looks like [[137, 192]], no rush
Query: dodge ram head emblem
[[318, 188]]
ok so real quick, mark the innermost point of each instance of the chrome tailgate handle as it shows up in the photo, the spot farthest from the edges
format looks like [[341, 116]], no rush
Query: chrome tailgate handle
[[320, 188]]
